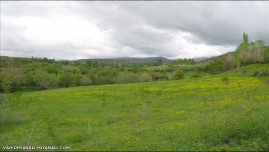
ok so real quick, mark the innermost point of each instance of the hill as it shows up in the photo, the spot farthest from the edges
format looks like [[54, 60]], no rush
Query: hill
[[224, 57], [202, 58], [145, 60], [204, 113], [106, 61]]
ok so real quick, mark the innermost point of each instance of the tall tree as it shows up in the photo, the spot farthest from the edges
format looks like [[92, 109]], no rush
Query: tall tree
[[245, 38]]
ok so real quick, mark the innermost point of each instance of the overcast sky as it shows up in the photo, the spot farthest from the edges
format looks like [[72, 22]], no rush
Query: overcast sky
[[84, 29]]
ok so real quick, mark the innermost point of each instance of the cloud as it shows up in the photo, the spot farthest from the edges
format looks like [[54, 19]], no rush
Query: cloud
[[72, 30]]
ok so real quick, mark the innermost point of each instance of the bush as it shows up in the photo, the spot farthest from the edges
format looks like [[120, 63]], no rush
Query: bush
[[106, 76], [127, 77], [226, 79], [66, 68], [76, 70], [84, 81], [66, 79], [28, 78], [10, 79], [77, 78], [216, 67], [195, 76], [178, 75], [261, 73], [153, 75], [43, 80], [145, 77], [255, 73]]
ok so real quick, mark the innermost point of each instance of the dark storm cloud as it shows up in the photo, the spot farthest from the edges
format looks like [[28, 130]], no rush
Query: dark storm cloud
[[213, 22], [145, 28]]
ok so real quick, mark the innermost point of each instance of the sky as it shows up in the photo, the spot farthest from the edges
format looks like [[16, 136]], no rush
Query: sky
[[108, 29]]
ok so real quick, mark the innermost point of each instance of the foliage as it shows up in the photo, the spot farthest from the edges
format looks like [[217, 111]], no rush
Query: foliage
[[85, 81], [127, 77], [178, 75], [11, 79], [216, 67], [44, 80], [184, 61], [226, 79], [66, 79], [106, 76], [262, 73], [196, 76], [77, 78], [145, 77]]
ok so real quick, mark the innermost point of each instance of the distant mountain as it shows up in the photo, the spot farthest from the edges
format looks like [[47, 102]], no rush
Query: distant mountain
[[145, 59], [129, 60], [202, 58], [106, 61], [221, 57], [122, 60]]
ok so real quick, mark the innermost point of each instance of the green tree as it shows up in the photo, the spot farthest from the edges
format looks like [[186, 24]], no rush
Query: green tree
[[89, 63], [216, 67], [85, 81], [178, 75], [11, 79], [238, 61], [145, 77], [106, 76], [44, 80], [76, 70], [127, 77], [160, 62], [84, 69], [76, 79], [245, 38], [76, 63], [54, 69], [66, 80]]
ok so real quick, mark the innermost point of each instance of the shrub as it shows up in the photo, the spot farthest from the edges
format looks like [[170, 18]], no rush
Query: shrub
[[226, 79], [195, 76], [94, 79], [76, 70], [261, 73], [10, 79], [66, 68], [230, 61], [106, 76], [216, 67], [43, 80], [76, 78], [255, 73], [127, 77], [84, 69], [153, 75], [178, 75], [66, 79], [84, 81], [145, 77], [143, 94]]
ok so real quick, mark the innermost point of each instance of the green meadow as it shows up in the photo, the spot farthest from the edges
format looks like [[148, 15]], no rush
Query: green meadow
[[227, 111]]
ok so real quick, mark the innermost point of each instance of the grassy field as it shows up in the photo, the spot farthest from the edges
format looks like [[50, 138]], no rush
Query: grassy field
[[204, 113]]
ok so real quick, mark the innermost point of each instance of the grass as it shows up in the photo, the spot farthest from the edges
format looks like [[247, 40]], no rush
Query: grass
[[191, 114]]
